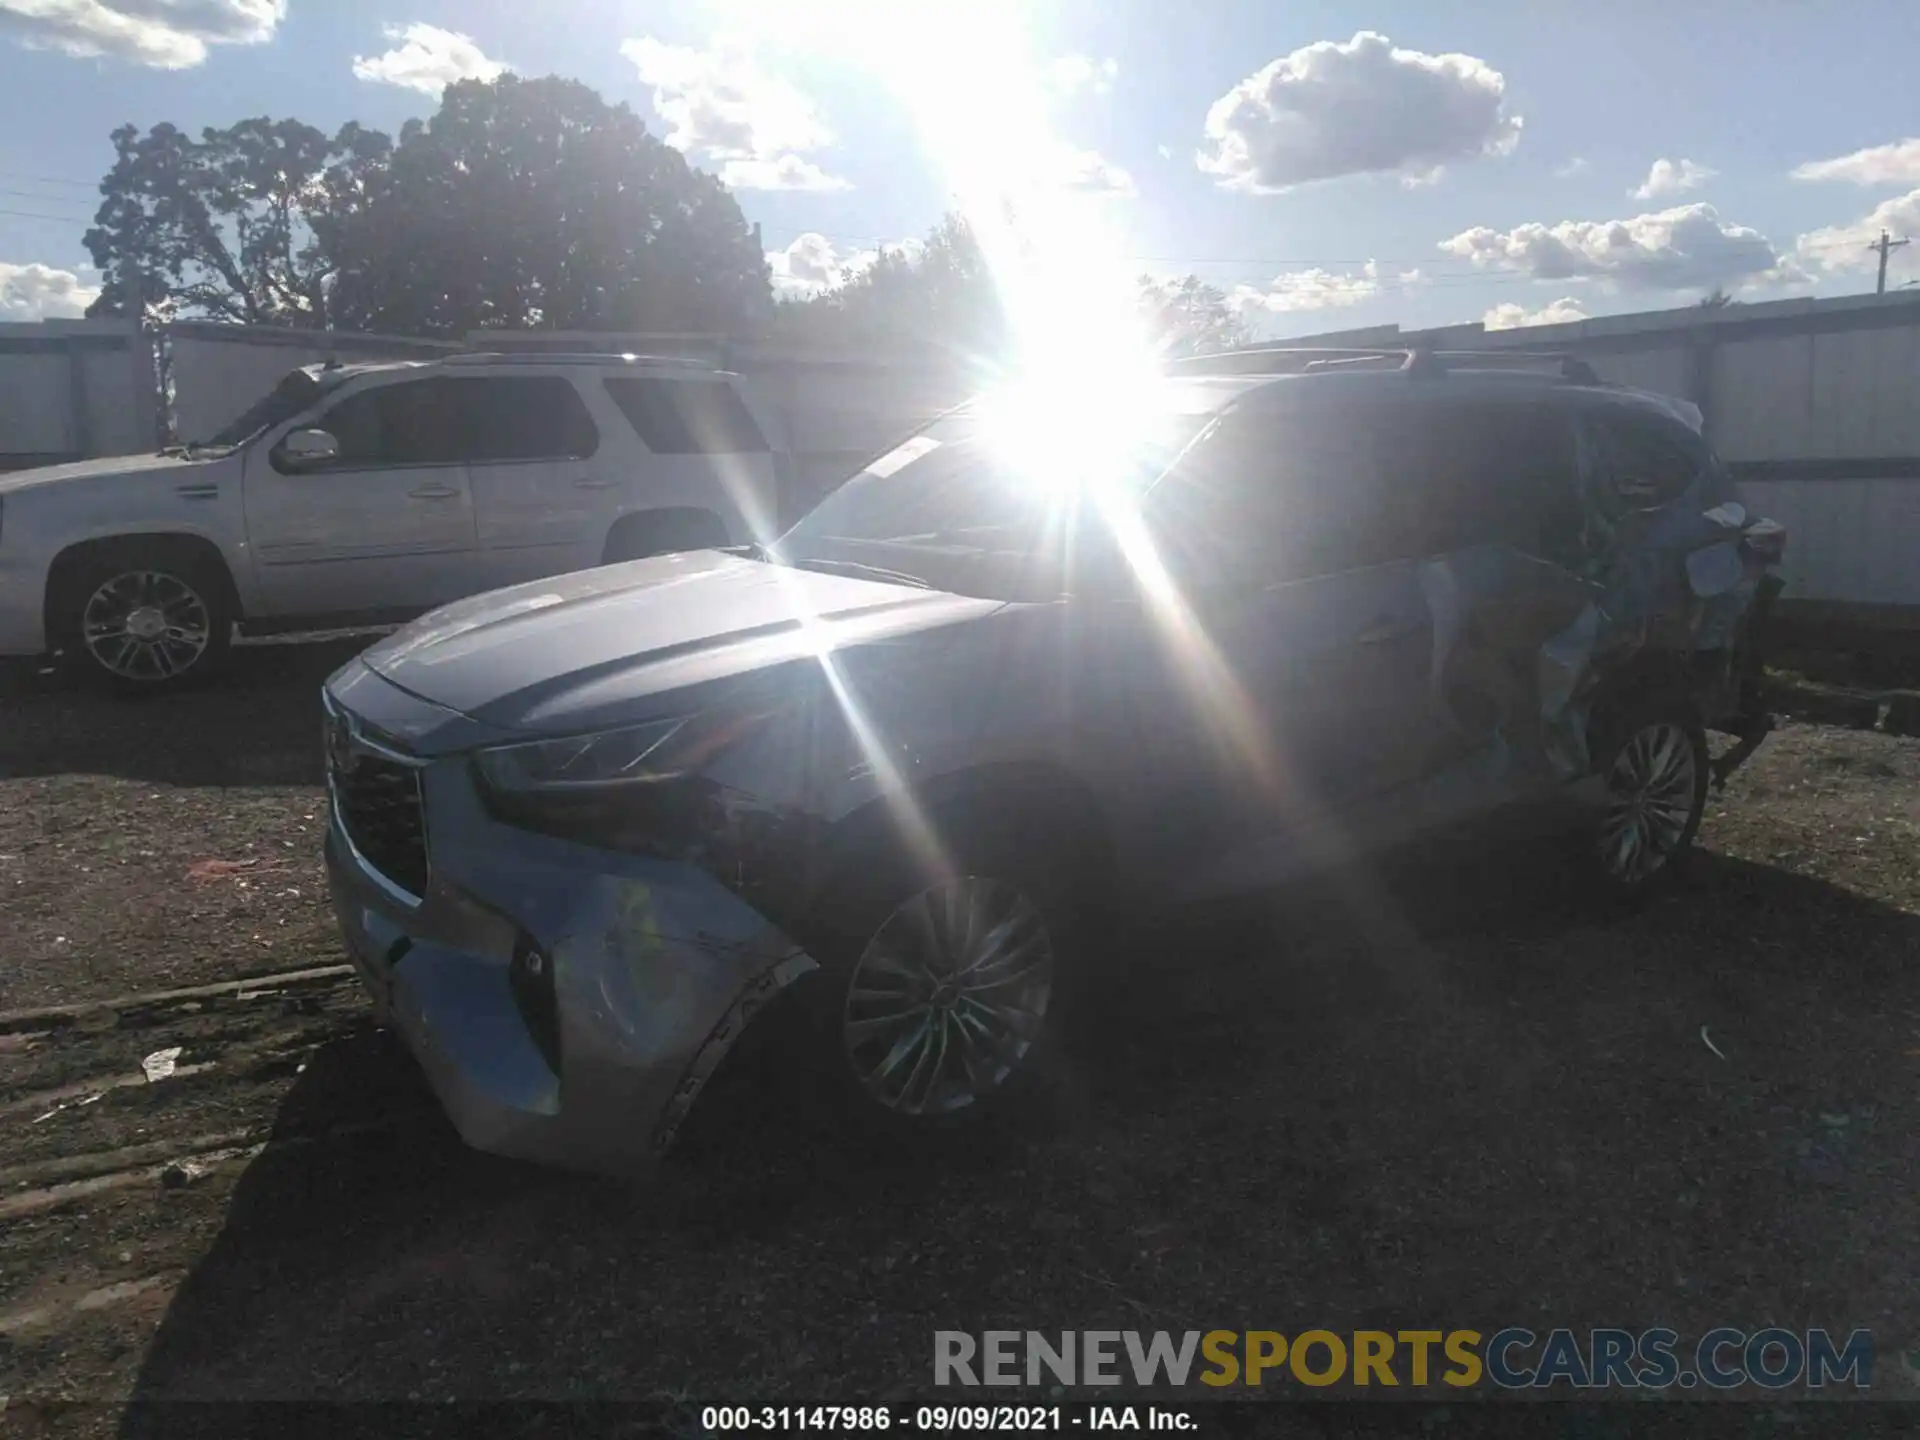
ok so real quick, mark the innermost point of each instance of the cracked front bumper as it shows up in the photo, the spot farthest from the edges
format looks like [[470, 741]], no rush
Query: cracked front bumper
[[656, 970]]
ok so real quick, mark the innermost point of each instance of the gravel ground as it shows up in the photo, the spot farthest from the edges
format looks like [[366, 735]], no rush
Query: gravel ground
[[1444, 1094]]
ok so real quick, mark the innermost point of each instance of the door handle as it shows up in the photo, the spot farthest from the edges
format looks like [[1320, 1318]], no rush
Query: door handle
[[593, 482], [1387, 629], [435, 492]]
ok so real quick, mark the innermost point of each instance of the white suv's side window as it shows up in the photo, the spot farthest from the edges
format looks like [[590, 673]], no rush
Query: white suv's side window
[[507, 418], [413, 422]]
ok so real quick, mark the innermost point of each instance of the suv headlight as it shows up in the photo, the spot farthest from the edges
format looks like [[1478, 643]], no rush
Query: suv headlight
[[574, 763], [636, 787]]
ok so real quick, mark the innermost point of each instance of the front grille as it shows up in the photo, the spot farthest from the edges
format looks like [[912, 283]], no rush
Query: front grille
[[378, 801]]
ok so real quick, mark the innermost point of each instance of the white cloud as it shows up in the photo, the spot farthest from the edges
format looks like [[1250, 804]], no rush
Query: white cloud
[[1686, 248], [426, 58], [1578, 165], [1509, 316], [1088, 172], [779, 172], [1166, 151], [718, 104], [813, 264], [40, 292], [1317, 289], [1895, 164], [1837, 248], [1361, 107], [1072, 75], [1671, 177], [164, 34]]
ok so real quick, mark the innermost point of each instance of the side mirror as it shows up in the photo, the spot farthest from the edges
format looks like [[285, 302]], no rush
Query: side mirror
[[304, 449]]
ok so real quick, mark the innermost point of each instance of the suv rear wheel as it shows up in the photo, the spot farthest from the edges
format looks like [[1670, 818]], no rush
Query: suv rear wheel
[[142, 617], [1655, 770]]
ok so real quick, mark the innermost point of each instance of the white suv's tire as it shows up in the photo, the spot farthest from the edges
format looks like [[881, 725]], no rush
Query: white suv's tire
[[142, 617]]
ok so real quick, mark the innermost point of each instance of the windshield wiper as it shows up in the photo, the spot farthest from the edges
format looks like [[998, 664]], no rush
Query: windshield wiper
[[856, 568]]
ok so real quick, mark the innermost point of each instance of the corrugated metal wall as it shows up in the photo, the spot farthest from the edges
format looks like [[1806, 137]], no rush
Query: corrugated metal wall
[[1853, 542], [70, 389], [1792, 397]]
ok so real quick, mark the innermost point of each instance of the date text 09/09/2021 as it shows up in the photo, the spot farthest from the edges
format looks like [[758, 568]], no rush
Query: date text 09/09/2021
[[941, 1419]]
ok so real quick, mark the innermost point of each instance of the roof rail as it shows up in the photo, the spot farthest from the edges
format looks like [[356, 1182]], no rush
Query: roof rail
[[551, 357], [1280, 359], [1415, 360], [1570, 366]]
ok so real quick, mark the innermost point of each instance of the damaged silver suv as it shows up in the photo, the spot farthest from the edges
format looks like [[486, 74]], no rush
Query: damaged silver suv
[[913, 757]]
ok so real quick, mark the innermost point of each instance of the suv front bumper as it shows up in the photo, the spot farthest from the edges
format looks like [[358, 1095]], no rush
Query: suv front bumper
[[655, 971]]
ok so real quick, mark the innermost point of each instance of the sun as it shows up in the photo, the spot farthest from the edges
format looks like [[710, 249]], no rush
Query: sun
[[1056, 255]]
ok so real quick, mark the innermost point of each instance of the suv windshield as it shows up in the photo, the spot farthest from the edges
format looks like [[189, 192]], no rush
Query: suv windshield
[[952, 509], [295, 392]]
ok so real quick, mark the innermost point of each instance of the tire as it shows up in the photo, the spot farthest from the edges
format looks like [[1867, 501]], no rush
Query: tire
[[1652, 758], [637, 537], [892, 940], [142, 618]]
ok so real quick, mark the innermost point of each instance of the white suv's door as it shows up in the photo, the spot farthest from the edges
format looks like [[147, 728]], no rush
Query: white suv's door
[[541, 483], [386, 526]]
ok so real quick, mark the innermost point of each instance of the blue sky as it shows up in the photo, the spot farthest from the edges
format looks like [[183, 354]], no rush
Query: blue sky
[[1329, 165]]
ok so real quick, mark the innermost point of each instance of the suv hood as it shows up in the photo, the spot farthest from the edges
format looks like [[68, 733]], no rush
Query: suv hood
[[113, 465], [580, 650]]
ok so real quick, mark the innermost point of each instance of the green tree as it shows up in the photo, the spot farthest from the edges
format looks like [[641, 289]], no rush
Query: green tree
[[1189, 317], [938, 297], [536, 204], [233, 226], [941, 298], [1716, 299]]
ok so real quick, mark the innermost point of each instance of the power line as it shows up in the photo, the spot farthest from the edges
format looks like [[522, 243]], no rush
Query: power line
[[49, 180], [30, 195], [34, 215]]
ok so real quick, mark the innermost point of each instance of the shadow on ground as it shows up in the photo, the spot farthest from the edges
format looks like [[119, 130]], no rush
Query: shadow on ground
[[1447, 1095], [257, 723]]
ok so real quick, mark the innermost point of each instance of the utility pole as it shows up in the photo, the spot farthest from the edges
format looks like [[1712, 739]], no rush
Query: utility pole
[[1885, 245]]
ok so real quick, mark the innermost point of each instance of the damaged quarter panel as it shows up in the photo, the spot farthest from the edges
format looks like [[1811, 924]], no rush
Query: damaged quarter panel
[[1679, 563]]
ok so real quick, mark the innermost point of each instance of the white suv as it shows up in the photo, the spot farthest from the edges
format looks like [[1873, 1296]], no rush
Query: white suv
[[365, 494]]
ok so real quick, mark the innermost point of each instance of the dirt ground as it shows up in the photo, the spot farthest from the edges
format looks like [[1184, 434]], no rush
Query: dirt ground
[[1449, 1093]]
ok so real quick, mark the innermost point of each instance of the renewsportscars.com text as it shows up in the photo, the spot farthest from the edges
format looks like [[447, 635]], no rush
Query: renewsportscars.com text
[[1514, 1358]]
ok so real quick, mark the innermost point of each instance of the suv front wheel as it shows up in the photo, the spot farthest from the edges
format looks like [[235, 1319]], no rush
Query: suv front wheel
[[940, 994], [142, 618]]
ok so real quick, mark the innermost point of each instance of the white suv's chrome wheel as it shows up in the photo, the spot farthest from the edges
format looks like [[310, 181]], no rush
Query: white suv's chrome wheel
[[1652, 787], [948, 996], [146, 625]]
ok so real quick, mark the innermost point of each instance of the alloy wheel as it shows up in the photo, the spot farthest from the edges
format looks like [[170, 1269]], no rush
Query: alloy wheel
[[948, 996], [146, 625], [1650, 795]]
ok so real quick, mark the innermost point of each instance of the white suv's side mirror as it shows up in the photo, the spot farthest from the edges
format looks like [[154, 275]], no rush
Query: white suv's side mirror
[[304, 449]]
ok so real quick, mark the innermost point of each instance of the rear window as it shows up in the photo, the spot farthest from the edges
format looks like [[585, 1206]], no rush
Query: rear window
[[1644, 459], [687, 417]]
